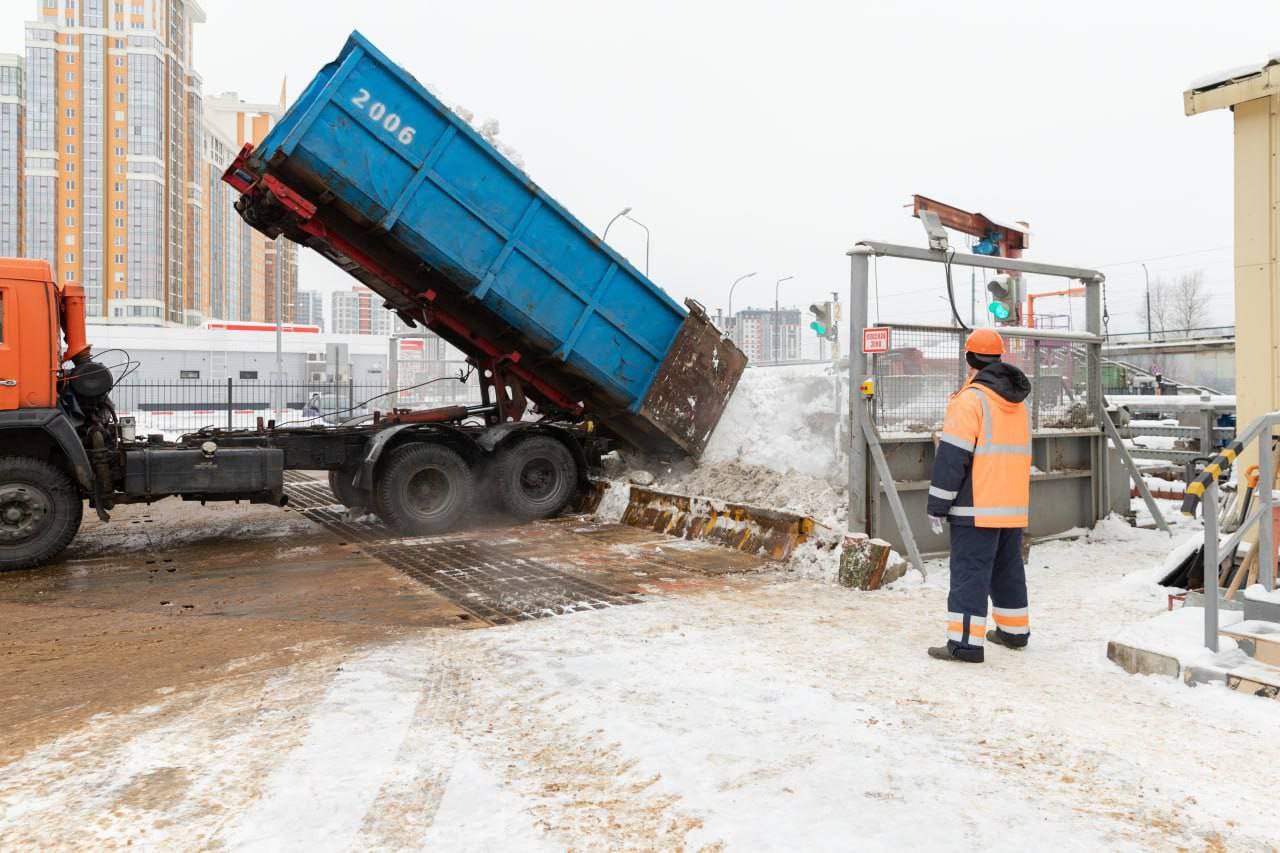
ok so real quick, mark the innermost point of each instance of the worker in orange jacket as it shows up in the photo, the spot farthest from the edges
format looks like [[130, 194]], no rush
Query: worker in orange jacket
[[982, 486]]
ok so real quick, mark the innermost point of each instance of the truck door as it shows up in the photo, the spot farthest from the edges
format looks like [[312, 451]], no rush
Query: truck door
[[8, 352], [28, 350]]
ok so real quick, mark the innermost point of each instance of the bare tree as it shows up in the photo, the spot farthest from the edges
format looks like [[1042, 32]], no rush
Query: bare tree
[[1190, 303], [1160, 309]]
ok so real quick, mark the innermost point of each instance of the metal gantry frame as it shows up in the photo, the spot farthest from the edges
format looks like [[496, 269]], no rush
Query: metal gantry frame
[[863, 429]]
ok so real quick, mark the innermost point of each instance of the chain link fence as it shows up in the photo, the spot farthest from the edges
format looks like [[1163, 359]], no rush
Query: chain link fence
[[925, 365]]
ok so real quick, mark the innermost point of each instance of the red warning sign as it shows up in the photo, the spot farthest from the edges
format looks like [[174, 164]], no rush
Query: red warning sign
[[875, 339]]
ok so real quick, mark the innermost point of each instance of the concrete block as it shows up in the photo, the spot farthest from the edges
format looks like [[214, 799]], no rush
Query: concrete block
[[1137, 661]]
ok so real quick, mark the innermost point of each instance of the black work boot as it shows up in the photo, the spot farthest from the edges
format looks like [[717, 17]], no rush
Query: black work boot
[[948, 652], [1009, 641]]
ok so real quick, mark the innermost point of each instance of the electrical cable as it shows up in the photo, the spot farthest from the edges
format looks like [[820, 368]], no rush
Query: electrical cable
[[462, 376], [951, 293]]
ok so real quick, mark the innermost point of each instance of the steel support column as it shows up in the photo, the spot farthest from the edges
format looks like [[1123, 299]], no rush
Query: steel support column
[[857, 413]]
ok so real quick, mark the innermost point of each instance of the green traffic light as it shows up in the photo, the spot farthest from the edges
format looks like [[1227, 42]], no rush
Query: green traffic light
[[999, 310], [819, 328]]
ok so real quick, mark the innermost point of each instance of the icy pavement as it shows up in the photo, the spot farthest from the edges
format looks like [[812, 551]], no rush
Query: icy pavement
[[768, 714]]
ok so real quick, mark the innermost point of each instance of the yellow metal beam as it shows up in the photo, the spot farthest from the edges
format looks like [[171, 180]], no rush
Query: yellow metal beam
[[1255, 104]]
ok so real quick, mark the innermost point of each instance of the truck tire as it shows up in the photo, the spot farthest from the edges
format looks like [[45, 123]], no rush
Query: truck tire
[[347, 494], [535, 478], [424, 489], [40, 512]]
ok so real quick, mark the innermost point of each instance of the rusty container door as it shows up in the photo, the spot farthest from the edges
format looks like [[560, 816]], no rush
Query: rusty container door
[[694, 383]]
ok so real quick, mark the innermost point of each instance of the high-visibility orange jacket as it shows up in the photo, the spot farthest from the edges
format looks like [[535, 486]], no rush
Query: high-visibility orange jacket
[[982, 470]]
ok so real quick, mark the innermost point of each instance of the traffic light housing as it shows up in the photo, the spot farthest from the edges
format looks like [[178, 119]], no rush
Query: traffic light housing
[[824, 320], [1006, 299]]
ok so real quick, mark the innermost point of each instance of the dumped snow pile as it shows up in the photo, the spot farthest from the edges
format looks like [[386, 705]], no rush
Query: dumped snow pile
[[760, 486], [784, 419]]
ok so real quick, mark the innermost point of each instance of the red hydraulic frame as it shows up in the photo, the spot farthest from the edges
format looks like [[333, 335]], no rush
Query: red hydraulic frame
[[501, 372]]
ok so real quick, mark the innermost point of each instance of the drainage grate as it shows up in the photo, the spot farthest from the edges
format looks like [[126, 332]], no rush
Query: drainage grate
[[309, 494], [494, 584], [486, 580], [292, 476]]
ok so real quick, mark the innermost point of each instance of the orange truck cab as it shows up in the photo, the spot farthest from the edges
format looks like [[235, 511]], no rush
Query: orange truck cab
[[45, 472]]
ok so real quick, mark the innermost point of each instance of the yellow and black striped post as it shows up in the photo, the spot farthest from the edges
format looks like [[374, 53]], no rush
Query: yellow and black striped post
[[1220, 465]]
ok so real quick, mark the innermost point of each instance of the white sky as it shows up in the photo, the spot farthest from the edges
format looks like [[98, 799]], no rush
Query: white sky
[[772, 136]]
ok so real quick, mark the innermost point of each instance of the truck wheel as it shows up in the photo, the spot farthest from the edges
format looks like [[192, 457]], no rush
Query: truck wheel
[[347, 494], [535, 478], [40, 511], [424, 489]]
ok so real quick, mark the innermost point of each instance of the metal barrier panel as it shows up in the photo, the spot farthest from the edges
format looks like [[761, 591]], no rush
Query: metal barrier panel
[[915, 380]]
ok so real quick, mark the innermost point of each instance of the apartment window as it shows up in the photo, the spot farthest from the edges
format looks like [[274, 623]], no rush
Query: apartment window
[[248, 374], [118, 134], [119, 151], [119, 168], [69, 276], [71, 185], [119, 278], [69, 95], [71, 167], [188, 374], [119, 79], [71, 131], [119, 241], [71, 204], [71, 112], [71, 59], [118, 205], [71, 76], [119, 259], [119, 97], [71, 222], [69, 240], [119, 222], [71, 148], [119, 63], [119, 187], [71, 257]]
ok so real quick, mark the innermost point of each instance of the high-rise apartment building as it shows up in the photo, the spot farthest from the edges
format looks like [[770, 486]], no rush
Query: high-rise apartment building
[[123, 158], [309, 308], [12, 131], [359, 311]]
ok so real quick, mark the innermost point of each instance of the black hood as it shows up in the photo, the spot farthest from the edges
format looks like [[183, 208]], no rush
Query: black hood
[[1006, 380]]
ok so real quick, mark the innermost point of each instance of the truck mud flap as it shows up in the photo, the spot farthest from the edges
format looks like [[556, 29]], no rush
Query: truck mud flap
[[694, 383], [753, 530]]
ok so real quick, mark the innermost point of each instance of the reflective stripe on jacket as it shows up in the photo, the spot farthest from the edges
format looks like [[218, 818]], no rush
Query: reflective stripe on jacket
[[982, 470]]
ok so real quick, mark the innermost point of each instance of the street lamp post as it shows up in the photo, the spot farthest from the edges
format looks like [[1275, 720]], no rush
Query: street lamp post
[[737, 338], [646, 242], [1147, 276], [616, 217], [625, 213], [773, 345]]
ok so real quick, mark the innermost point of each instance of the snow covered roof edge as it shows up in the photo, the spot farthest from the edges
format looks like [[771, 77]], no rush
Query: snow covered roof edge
[[1230, 75]]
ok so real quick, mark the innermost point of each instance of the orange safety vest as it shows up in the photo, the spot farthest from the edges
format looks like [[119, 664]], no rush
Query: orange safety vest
[[998, 434]]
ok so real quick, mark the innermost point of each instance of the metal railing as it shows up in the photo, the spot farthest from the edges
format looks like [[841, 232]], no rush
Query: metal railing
[[1204, 492], [1161, 336]]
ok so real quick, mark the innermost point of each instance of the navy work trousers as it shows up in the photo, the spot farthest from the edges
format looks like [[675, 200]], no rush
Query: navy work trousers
[[986, 562]]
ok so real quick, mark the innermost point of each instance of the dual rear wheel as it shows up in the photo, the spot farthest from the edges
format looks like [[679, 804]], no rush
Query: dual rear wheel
[[429, 488]]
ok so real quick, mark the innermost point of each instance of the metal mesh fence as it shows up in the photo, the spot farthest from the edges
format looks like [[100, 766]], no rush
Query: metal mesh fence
[[174, 408], [925, 366]]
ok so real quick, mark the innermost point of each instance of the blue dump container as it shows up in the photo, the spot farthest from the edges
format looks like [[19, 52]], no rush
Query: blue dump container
[[412, 201]]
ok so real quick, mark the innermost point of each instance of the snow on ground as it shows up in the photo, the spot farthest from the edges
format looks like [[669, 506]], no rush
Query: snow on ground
[[766, 714]]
